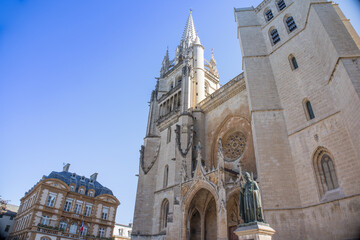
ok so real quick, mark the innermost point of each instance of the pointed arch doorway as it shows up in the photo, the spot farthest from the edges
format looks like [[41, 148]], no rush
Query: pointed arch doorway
[[202, 217]]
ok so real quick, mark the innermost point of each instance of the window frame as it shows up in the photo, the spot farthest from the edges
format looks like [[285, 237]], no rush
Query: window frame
[[51, 203], [293, 65], [288, 23], [72, 228], [78, 207], [278, 6], [68, 204], [102, 232], [268, 14], [105, 214], [309, 115], [320, 176], [45, 220], [62, 225], [274, 36], [165, 207], [88, 209]]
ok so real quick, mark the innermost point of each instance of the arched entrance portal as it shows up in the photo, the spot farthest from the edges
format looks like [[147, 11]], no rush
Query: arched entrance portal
[[202, 217]]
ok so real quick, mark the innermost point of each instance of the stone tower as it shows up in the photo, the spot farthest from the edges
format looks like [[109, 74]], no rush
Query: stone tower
[[291, 119], [167, 156], [301, 61]]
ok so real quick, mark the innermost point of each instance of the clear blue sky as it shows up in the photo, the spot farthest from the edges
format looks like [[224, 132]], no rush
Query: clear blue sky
[[76, 76]]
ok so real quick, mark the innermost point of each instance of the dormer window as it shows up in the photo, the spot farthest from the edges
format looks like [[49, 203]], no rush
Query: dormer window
[[72, 188], [73, 175], [82, 179], [81, 191], [91, 193], [91, 180]]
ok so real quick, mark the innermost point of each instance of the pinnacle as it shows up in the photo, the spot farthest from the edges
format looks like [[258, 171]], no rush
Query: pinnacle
[[189, 31]]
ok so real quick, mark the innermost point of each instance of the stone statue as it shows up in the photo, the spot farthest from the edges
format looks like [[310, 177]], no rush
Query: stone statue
[[250, 209]]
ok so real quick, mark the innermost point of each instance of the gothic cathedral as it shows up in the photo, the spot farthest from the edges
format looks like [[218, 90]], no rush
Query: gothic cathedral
[[291, 119]]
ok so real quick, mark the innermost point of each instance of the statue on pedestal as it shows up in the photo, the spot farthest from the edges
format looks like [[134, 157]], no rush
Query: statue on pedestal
[[250, 208]]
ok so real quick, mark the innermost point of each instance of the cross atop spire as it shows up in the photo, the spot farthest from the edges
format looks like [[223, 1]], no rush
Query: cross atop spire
[[189, 32]]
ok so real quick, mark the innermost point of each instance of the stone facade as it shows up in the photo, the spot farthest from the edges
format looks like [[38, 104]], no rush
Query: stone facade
[[63, 206], [7, 217], [291, 119], [122, 232]]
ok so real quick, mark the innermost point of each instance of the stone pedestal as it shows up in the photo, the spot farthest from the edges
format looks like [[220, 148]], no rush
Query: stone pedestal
[[254, 231]]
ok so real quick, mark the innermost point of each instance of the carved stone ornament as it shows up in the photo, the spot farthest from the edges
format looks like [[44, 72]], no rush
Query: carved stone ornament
[[186, 70], [146, 167], [189, 140]]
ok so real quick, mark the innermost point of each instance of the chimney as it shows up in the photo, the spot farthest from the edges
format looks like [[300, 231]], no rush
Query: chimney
[[93, 176], [66, 167]]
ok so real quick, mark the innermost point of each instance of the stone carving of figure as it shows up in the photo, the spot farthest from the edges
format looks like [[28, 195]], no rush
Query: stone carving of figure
[[250, 208]]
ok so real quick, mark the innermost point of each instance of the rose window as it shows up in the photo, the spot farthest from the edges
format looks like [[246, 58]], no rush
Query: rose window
[[234, 145]]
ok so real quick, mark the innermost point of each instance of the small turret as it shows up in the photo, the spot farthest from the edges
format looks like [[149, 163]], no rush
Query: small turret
[[199, 71], [165, 64], [212, 65], [66, 167]]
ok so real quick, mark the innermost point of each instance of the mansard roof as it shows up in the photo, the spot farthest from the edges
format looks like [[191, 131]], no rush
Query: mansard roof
[[67, 178]]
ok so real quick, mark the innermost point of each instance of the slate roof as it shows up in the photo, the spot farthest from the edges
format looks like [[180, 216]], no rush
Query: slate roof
[[67, 178]]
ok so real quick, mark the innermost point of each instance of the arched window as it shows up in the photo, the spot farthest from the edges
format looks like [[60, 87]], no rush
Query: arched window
[[274, 36], [328, 169], [281, 4], [81, 191], [325, 170], [73, 228], [166, 176], [291, 25], [268, 14], [164, 214], [308, 110], [293, 63]]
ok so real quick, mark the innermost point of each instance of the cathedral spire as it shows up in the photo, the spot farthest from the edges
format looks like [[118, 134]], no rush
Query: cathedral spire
[[189, 32]]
